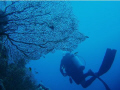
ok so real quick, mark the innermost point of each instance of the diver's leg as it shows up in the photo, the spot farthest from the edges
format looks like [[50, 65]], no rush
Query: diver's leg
[[85, 84], [89, 73], [88, 82]]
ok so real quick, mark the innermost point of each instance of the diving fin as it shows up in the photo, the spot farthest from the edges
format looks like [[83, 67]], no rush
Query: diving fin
[[107, 61]]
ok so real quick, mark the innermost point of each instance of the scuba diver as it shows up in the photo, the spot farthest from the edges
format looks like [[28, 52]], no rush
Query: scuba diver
[[71, 66]]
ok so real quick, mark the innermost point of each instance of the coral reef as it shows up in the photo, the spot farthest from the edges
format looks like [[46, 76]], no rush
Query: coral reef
[[13, 76]]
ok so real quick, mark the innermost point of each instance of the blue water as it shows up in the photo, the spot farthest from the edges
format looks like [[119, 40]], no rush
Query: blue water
[[101, 22]]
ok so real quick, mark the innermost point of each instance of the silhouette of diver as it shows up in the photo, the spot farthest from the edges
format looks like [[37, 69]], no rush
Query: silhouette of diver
[[72, 67]]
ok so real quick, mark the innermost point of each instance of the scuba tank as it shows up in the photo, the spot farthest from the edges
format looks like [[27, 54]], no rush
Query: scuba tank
[[72, 65], [78, 63]]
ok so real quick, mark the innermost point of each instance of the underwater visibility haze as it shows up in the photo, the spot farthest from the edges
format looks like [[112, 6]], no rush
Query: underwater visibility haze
[[35, 38]]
